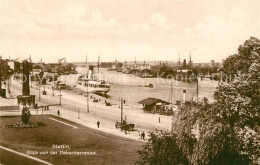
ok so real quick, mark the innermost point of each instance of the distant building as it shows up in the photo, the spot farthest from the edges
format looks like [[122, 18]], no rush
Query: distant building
[[213, 63]]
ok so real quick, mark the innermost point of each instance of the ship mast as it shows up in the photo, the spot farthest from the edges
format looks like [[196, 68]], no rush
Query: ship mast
[[86, 65], [98, 63], [190, 61], [87, 84], [179, 60]]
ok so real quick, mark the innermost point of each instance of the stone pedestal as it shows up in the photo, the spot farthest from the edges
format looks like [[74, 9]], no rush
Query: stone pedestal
[[26, 100]]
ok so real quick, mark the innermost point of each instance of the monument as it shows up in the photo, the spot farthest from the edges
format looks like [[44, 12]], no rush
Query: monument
[[25, 100]]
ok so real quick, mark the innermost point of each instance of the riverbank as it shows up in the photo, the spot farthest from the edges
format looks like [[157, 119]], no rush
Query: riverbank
[[74, 108]]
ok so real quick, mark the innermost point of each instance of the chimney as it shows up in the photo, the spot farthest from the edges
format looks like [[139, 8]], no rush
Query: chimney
[[184, 63], [184, 96]]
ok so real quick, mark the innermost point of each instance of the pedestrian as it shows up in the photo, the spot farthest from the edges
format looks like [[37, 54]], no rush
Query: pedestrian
[[143, 135], [58, 112], [159, 119], [106, 101], [98, 123]]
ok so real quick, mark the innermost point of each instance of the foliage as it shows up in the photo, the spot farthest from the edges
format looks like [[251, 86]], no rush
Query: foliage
[[25, 116], [161, 149], [4, 67], [226, 131], [27, 125], [240, 62]]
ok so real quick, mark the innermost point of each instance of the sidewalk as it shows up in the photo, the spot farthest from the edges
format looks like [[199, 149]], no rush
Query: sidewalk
[[74, 105]]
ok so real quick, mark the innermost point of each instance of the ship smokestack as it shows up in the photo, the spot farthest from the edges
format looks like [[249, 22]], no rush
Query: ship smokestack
[[184, 96], [90, 72]]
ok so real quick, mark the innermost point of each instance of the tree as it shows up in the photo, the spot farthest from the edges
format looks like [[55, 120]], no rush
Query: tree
[[235, 113], [161, 149], [239, 63], [216, 139], [226, 131]]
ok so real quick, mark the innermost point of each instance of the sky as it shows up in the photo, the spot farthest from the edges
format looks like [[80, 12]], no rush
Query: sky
[[126, 29]]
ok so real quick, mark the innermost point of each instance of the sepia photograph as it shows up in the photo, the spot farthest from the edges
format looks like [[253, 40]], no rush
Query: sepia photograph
[[130, 82]]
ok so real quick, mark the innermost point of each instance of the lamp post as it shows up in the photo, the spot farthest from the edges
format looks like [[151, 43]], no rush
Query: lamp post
[[31, 79], [87, 99], [53, 83], [39, 91], [121, 112], [60, 95], [197, 89], [0, 72]]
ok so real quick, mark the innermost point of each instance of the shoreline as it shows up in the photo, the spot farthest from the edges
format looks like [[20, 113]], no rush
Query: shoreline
[[73, 108]]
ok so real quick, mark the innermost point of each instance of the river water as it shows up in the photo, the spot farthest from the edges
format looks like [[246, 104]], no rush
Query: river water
[[132, 88]]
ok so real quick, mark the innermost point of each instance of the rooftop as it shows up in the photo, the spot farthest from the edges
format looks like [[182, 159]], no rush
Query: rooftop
[[150, 101]]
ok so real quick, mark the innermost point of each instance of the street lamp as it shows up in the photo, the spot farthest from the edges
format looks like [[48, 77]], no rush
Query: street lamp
[[31, 79], [122, 102], [53, 83], [60, 95], [39, 91], [87, 98]]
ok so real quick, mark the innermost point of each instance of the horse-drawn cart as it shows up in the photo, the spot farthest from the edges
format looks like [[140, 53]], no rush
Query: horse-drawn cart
[[124, 126]]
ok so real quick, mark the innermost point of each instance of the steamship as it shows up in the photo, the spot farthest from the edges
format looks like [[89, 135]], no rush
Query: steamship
[[90, 84]]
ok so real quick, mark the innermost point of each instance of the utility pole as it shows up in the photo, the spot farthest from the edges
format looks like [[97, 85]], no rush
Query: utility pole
[[60, 95], [171, 92], [53, 83], [121, 113], [197, 90], [0, 72], [119, 102], [98, 63], [87, 99], [8, 85], [39, 91], [87, 83], [30, 65], [31, 80]]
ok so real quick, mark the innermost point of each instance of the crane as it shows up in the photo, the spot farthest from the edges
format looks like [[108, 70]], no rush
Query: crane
[[60, 60]]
